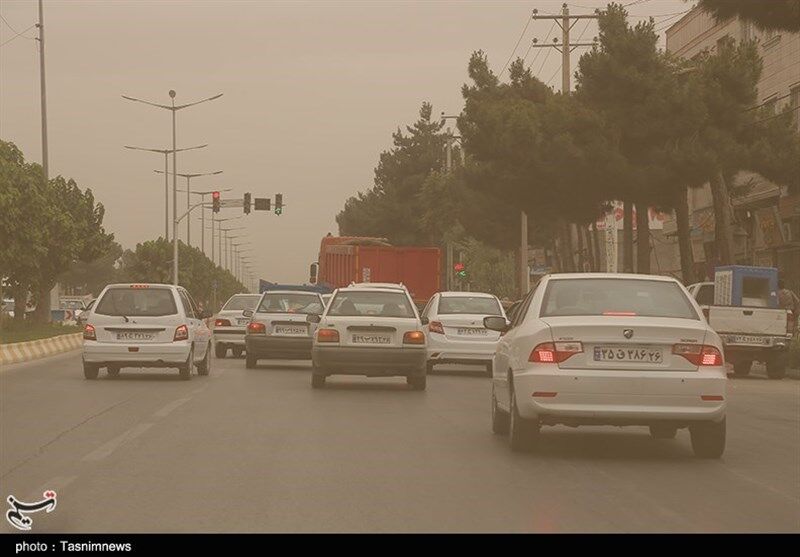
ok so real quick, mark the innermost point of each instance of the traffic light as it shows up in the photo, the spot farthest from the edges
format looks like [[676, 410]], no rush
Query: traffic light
[[460, 269], [246, 204], [215, 201], [278, 203]]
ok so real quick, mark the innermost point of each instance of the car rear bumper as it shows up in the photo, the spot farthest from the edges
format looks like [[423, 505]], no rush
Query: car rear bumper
[[147, 355], [348, 360], [284, 348], [611, 397], [441, 350], [230, 336]]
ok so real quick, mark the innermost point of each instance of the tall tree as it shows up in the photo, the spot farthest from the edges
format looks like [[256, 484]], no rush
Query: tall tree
[[780, 15]]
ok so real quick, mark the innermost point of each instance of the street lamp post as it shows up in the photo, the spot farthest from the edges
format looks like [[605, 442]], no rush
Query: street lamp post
[[203, 195], [229, 250], [188, 188], [219, 236]]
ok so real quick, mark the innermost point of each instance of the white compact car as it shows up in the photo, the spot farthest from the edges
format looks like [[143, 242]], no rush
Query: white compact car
[[456, 335], [375, 332], [146, 325], [230, 325], [609, 349]]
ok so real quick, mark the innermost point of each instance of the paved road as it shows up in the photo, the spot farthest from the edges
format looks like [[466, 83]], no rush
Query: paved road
[[259, 450]]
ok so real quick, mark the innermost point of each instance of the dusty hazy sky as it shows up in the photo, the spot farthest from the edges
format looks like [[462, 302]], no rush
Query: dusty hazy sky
[[312, 93]]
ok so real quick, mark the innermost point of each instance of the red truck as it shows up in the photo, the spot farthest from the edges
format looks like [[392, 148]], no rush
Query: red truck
[[344, 259]]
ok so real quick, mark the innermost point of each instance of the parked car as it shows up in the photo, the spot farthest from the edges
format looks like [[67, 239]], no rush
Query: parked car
[[371, 331], [278, 329], [455, 330], [609, 349], [146, 326], [230, 324]]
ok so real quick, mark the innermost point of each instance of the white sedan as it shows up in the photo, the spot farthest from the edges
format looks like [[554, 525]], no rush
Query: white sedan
[[231, 322], [609, 349]]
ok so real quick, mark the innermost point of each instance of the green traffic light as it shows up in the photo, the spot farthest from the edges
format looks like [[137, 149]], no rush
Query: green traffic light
[[278, 210], [462, 274]]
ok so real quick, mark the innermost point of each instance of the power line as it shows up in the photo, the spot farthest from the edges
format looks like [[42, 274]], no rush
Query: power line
[[766, 102], [20, 34], [524, 29], [668, 20], [552, 26]]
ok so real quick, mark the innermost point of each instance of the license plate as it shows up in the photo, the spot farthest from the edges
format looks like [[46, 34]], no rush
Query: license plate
[[472, 332], [627, 354], [135, 336], [290, 331], [747, 339], [371, 339], [244, 321]]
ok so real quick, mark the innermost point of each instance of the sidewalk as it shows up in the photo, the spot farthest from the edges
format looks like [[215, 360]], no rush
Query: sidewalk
[[34, 349]]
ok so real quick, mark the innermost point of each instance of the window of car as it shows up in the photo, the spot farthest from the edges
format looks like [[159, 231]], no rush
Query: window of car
[[353, 303], [522, 309], [241, 303], [481, 305], [705, 295], [615, 296], [187, 304], [276, 302], [137, 302], [428, 306]]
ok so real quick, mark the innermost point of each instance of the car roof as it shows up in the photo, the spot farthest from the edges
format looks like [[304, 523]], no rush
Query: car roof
[[371, 289], [146, 284], [562, 276], [291, 292], [462, 294], [378, 285]]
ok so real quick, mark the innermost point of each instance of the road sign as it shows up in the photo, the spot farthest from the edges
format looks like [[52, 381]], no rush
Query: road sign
[[262, 203], [231, 203]]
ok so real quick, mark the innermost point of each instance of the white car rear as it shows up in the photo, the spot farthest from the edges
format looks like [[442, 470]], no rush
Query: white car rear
[[231, 322], [145, 326], [606, 349]]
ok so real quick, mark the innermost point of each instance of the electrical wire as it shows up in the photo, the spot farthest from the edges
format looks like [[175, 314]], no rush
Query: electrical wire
[[524, 29], [20, 34], [552, 26]]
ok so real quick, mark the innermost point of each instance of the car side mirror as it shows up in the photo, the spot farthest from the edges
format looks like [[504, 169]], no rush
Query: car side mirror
[[424, 320], [205, 314], [248, 313], [313, 318], [496, 323]]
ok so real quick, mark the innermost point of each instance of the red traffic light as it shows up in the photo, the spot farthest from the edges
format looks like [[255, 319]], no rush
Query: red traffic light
[[215, 195], [458, 267]]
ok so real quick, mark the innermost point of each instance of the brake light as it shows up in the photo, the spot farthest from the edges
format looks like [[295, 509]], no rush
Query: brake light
[[327, 335], [89, 333], [555, 352], [436, 327], [256, 328], [699, 354], [414, 337], [181, 333], [140, 286], [222, 323], [620, 313]]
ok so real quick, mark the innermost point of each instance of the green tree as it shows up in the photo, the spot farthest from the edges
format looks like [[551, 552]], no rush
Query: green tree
[[90, 277], [780, 15]]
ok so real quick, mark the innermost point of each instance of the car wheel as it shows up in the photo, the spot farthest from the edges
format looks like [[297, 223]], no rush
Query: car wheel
[[237, 351], [204, 367], [113, 371], [417, 382], [523, 433], [663, 431], [776, 366], [742, 368], [90, 371], [317, 381], [220, 350], [250, 362], [500, 418], [185, 370], [708, 439]]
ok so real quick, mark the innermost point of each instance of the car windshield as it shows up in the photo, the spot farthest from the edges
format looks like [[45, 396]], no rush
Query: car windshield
[[616, 297], [290, 303], [386, 304], [481, 305], [137, 302], [240, 303]]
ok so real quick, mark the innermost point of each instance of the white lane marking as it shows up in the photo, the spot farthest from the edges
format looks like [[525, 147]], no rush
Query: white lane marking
[[106, 449], [166, 410]]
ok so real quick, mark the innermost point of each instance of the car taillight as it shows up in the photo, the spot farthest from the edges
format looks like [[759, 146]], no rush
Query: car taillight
[[699, 354], [436, 327], [554, 352], [327, 335], [181, 333], [222, 323], [256, 328], [89, 333], [414, 337]]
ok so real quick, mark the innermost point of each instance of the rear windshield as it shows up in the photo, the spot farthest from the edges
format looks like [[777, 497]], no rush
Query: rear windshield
[[618, 297], [290, 303], [240, 303], [385, 304], [705, 295], [469, 304], [137, 302]]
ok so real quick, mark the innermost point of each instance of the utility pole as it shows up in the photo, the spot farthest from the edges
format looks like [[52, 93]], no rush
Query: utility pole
[[43, 91]]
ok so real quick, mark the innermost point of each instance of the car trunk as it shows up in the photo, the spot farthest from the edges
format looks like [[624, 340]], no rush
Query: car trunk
[[753, 321], [284, 324], [114, 329], [368, 332], [466, 328], [236, 317]]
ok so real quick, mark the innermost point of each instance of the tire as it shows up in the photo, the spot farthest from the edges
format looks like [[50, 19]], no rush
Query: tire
[[185, 370], [417, 382], [500, 419], [317, 381], [220, 350], [204, 367], [250, 362], [90, 371], [663, 431], [237, 351], [742, 368], [708, 439], [776, 365], [523, 434], [113, 371]]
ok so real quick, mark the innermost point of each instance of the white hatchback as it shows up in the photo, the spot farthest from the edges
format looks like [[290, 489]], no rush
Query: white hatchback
[[230, 324], [146, 325], [609, 349]]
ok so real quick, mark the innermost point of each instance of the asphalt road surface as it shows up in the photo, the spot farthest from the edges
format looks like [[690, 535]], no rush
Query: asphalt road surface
[[260, 451]]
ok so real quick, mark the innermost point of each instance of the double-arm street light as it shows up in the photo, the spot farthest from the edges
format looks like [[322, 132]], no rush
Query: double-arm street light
[[189, 177], [229, 249], [219, 237], [174, 109], [203, 195], [166, 153], [224, 256]]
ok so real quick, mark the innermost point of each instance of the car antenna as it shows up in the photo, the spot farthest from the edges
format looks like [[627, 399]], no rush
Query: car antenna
[[126, 319]]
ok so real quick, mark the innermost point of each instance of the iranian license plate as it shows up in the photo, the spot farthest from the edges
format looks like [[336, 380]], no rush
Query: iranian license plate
[[471, 332], [747, 339], [628, 354], [242, 321], [135, 336], [371, 339], [291, 330]]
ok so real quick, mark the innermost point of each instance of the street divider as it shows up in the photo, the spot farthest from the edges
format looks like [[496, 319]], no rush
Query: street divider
[[35, 349]]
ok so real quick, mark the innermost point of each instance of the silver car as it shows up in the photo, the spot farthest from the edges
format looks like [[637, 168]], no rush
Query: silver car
[[231, 322]]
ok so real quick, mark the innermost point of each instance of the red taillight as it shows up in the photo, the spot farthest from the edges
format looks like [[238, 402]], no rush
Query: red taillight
[[89, 333], [436, 327], [543, 394], [181, 333], [554, 352], [620, 313], [256, 328], [140, 286], [414, 337], [712, 397], [327, 335], [222, 323], [699, 354]]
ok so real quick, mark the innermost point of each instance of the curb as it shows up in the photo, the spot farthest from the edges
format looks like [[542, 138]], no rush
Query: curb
[[41, 348]]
